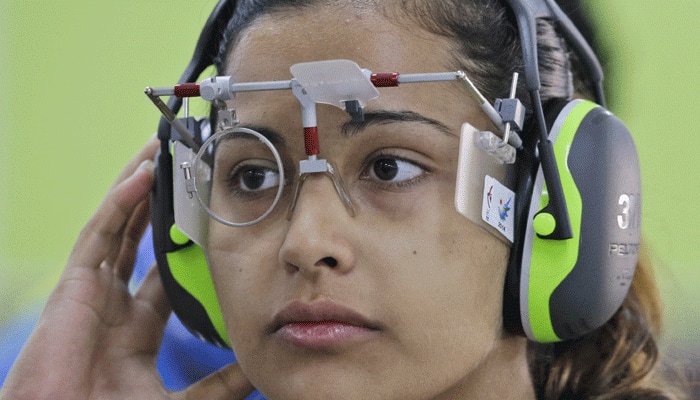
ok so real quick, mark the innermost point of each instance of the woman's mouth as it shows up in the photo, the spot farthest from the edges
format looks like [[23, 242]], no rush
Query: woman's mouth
[[321, 325]]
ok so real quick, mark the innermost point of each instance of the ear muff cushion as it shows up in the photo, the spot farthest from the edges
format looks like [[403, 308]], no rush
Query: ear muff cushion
[[568, 289]]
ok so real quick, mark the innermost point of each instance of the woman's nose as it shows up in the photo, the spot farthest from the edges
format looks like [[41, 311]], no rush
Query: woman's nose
[[318, 225]]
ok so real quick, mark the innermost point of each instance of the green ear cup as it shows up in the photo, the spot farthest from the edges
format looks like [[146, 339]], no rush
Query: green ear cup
[[182, 264], [189, 268], [553, 260]]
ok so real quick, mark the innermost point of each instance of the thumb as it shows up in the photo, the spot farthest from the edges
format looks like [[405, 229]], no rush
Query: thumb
[[226, 383]]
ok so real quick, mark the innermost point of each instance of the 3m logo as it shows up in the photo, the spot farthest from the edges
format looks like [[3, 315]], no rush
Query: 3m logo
[[630, 212]]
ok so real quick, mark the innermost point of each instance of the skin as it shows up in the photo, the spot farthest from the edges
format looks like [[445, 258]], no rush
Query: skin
[[428, 281], [94, 340]]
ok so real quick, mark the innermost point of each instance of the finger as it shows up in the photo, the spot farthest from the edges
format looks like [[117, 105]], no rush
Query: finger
[[147, 152], [132, 168], [144, 334], [226, 383], [152, 294], [101, 237], [124, 263]]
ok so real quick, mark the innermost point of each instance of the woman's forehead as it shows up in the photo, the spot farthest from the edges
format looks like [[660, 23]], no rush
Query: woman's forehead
[[270, 45], [267, 49]]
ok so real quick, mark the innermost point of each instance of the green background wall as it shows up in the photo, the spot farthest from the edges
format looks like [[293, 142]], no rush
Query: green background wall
[[72, 112]]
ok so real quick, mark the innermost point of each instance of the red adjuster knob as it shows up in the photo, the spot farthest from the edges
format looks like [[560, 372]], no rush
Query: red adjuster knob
[[311, 141], [187, 90], [385, 79]]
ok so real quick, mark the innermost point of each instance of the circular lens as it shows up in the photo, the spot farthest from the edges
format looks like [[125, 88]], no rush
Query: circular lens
[[238, 176]]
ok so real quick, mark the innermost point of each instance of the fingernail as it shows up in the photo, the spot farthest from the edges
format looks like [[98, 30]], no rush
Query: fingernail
[[146, 165]]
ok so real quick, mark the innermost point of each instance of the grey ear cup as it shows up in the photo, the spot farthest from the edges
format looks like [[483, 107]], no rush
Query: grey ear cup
[[564, 289], [605, 167]]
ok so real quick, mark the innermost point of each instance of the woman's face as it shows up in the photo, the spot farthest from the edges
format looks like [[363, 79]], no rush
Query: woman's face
[[403, 300]]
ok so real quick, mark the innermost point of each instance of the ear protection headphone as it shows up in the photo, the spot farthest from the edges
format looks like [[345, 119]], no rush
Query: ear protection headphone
[[577, 205]]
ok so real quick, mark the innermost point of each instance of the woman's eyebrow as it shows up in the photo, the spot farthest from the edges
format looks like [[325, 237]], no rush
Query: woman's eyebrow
[[270, 134], [381, 117], [371, 118]]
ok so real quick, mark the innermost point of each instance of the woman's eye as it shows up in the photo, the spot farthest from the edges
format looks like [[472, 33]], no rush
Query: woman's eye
[[254, 178], [392, 169]]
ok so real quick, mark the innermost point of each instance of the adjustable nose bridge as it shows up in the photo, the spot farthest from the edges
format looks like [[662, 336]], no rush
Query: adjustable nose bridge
[[317, 237], [331, 173]]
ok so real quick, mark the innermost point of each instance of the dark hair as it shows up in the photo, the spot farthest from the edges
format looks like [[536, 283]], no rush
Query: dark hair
[[614, 361], [487, 46]]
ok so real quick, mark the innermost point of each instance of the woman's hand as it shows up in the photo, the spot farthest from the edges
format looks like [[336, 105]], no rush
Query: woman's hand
[[94, 339]]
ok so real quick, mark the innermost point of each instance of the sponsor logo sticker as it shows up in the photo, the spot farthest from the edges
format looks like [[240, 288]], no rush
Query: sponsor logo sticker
[[497, 207]]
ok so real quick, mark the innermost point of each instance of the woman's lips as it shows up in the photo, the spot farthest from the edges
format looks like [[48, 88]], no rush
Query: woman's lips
[[321, 325]]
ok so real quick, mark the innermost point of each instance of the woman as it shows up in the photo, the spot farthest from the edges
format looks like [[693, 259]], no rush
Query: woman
[[399, 298]]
